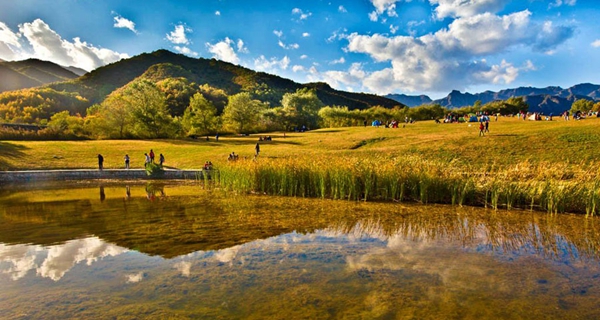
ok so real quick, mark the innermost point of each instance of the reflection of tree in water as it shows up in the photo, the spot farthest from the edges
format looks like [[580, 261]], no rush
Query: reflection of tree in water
[[153, 190]]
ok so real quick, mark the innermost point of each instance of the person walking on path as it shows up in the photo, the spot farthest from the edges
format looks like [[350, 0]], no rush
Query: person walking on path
[[151, 155], [147, 161], [126, 161], [100, 162], [257, 149], [481, 129], [161, 159]]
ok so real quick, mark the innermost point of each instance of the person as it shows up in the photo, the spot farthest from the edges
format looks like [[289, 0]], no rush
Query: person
[[217, 137], [100, 162], [161, 159], [487, 126], [481, 129], [126, 161], [151, 155], [232, 157], [102, 194], [257, 149], [147, 161]]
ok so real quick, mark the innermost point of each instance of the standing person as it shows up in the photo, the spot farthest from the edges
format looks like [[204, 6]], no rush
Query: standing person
[[217, 137], [481, 129], [161, 159], [126, 161], [147, 161], [257, 149], [487, 126], [100, 162], [151, 155]]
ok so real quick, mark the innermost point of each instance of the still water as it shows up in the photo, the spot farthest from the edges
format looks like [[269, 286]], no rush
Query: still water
[[84, 250]]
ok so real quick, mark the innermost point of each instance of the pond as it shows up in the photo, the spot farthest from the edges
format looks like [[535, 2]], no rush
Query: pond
[[176, 250]]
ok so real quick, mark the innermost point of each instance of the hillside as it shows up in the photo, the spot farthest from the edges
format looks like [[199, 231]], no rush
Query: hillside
[[163, 64], [30, 73]]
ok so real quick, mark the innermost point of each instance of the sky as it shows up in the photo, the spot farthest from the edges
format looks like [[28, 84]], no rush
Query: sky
[[377, 46]]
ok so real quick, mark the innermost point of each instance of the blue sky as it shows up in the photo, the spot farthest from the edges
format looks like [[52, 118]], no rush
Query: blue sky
[[378, 46]]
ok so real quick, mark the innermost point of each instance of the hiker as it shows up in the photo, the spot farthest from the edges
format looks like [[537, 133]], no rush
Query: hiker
[[147, 161], [257, 149], [161, 159], [100, 162], [151, 155], [126, 161], [481, 129]]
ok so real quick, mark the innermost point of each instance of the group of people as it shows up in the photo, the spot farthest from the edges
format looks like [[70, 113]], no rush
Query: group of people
[[149, 159]]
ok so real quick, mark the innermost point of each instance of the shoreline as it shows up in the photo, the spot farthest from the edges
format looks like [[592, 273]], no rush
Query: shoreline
[[94, 174]]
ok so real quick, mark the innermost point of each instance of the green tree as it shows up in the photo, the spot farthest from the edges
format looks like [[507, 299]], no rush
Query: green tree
[[200, 117], [242, 112], [582, 105], [151, 118], [302, 107]]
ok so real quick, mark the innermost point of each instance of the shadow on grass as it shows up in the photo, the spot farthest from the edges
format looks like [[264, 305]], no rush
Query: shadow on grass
[[10, 151], [235, 141]]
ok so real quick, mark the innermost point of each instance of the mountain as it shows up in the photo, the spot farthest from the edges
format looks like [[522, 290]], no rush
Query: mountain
[[547, 100], [30, 73], [163, 64], [75, 70], [411, 101]]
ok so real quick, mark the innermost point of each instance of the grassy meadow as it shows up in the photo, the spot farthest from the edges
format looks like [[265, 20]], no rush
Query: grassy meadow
[[544, 165]]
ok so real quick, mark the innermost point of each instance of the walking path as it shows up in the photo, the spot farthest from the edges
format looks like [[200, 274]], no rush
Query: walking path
[[86, 174]]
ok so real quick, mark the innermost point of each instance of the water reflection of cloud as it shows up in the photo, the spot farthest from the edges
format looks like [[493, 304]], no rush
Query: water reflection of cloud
[[227, 255], [56, 260], [135, 278], [184, 267]]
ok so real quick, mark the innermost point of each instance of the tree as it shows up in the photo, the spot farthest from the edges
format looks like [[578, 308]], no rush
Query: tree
[[151, 117], [582, 105], [302, 107], [200, 117], [116, 111], [242, 112]]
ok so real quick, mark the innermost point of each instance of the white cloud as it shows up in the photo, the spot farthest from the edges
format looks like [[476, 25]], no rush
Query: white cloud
[[383, 6], [185, 50], [241, 47], [305, 34], [264, 64], [393, 29], [135, 278], [184, 267], [37, 40], [558, 3], [447, 59], [292, 46], [342, 9], [339, 61], [303, 57], [178, 36], [596, 44], [217, 13], [466, 8], [297, 68], [301, 14], [121, 22], [223, 50], [278, 33]]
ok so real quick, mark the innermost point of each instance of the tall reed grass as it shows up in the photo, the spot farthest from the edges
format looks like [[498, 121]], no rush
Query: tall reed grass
[[553, 188]]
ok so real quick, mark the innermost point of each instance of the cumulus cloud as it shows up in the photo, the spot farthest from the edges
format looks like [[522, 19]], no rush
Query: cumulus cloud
[[466, 8], [37, 40], [179, 36], [303, 57], [451, 57], [342, 9], [264, 64], [226, 50], [305, 34], [338, 61], [217, 13], [596, 44], [278, 33], [297, 68], [121, 22], [288, 46], [381, 7], [301, 14]]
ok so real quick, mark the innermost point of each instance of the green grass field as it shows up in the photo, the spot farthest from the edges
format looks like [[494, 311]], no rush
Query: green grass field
[[547, 165]]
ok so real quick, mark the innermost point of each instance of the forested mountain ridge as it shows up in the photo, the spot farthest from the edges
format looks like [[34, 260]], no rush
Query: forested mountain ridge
[[15, 75], [163, 64]]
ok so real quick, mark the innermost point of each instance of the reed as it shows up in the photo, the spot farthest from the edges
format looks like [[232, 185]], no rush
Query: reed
[[412, 178]]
